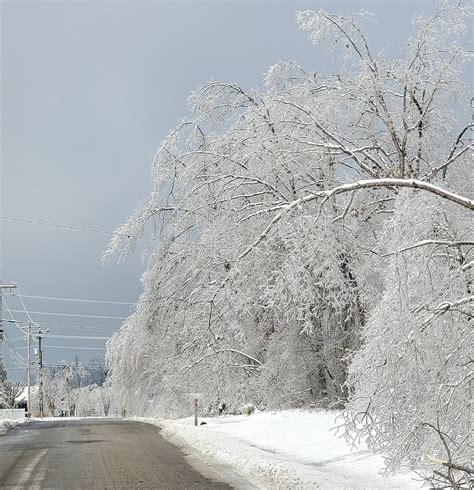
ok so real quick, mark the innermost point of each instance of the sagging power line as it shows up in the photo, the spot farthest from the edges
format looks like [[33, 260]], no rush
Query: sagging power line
[[49, 346], [32, 330], [78, 327], [71, 314], [76, 228], [54, 298]]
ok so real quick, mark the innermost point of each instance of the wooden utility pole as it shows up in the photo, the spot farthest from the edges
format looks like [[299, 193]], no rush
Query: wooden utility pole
[[40, 365], [2, 369], [28, 392]]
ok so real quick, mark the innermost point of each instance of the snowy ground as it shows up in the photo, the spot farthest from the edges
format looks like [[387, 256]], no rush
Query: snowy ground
[[283, 450], [7, 424]]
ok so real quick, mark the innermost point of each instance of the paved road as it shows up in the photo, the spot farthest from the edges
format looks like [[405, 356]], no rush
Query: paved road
[[94, 454]]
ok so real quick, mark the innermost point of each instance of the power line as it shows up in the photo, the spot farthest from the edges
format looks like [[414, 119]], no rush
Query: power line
[[7, 309], [19, 360], [76, 300], [78, 327], [24, 307], [7, 274], [71, 314], [60, 347], [71, 363], [21, 296], [74, 337], [76, 228], [59, 325], [73, 348]]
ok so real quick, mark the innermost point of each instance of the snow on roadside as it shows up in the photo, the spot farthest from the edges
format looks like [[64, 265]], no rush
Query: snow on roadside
[[285, 450], [7, 424]]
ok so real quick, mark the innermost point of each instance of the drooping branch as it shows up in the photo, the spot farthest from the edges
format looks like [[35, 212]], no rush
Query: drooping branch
[[220, 351], [447, 305], [424, 243], [361, 184], [411, 183], [459, 138], [444, 307], [452, 158], [454, 466]]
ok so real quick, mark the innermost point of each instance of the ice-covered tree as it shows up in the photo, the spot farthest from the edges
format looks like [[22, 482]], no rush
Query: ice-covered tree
[[298, 222], [10, 393]]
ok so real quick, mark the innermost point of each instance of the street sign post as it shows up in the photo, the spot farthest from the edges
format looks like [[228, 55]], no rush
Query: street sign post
[[195, 397]]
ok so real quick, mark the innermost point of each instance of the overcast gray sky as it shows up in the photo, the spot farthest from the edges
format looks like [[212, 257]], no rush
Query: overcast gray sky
[[89, 89]]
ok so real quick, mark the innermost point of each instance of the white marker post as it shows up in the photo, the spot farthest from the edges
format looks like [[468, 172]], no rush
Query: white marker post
[[195, 397]]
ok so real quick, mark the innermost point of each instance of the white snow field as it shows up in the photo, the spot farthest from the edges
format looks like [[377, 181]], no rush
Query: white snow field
[[284, 450]]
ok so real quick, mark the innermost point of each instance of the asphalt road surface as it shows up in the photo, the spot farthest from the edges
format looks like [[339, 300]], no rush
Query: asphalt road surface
[[94, 454]]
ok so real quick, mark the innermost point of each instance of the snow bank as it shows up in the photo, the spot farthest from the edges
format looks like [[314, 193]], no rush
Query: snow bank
[[285, 450], [7, 424]]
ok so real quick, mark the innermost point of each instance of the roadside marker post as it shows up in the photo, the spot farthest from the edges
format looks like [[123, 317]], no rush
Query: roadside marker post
[[196, 397]]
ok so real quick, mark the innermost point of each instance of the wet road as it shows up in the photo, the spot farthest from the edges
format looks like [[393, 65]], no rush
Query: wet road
[[94, 454]]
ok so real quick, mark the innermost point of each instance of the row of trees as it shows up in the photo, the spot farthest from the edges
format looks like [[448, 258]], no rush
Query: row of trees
[[314, 247], [69, 389], [74, 389]]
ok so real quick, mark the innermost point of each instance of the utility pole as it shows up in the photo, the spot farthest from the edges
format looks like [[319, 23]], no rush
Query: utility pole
[[2, 369], [40, 365], [28, 393]]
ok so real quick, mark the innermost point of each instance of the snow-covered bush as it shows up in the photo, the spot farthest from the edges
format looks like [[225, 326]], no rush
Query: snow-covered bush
[[248, 409]]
